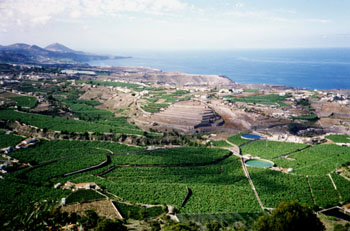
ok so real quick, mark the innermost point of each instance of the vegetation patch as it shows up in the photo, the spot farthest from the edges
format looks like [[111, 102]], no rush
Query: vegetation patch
[[273, 187], [69, 125], [316, 160], [220, 143], [183, 155], [137, 212], [343, 186], [270, 149], [25, 101], [9, 140], [81, 196], [272, 99], [323, 191], [226, 218], [237, 139], [311, 117], [339, 138]]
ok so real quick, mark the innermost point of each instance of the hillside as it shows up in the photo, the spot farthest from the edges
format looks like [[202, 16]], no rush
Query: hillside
[[53, 54]]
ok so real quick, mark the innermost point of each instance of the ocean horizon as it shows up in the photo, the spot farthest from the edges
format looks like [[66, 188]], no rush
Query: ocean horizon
[[326, 68]]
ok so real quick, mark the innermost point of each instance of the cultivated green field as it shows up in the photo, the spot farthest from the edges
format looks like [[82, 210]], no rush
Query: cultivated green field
[[273, 187], [215, 179], [323, 191], [317, 160], [25, 101], [116, 125], [220, 143], [271, 99], [339, 138], [9, 140], [237, 139], [83, 196], [185, 155], [270, 149], [135, 212]]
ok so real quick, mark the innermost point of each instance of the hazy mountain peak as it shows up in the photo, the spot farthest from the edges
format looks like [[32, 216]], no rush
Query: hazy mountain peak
[[20, 45], [58, 47]]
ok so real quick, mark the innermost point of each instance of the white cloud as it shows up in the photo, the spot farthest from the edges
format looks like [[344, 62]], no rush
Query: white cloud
[[239, 5], [317, 20], [40, 12]]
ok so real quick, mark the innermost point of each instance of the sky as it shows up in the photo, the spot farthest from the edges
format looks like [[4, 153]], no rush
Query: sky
[[102, 25]]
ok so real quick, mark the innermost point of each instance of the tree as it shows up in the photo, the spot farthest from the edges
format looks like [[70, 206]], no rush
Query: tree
[[213, 226], [289, 216], [110, 225], [181, 227]]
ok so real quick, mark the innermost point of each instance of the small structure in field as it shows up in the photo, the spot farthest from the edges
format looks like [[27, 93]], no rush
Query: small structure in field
[[75, 187]]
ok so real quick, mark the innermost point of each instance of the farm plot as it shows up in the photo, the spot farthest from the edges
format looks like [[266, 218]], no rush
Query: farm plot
[[9, 140], [343, 186], [42, 174], [228, 171], [323, 191], [339, 138], [210, 184], [317, 160], [69, 125], [54, 149], [135, 87], [186, 155], [138, 212], [270, 149], [237, 139], [274, 187], [84, 109], [271, 99], [83, 196], [148, 193], [220, 143], [211, 198], [25, 101], [16, 196]]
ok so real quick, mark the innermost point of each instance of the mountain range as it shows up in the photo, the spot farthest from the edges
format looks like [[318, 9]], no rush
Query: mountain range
[[52, 54]]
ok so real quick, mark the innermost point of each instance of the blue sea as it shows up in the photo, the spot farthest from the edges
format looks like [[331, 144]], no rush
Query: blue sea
[[300, 68]]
